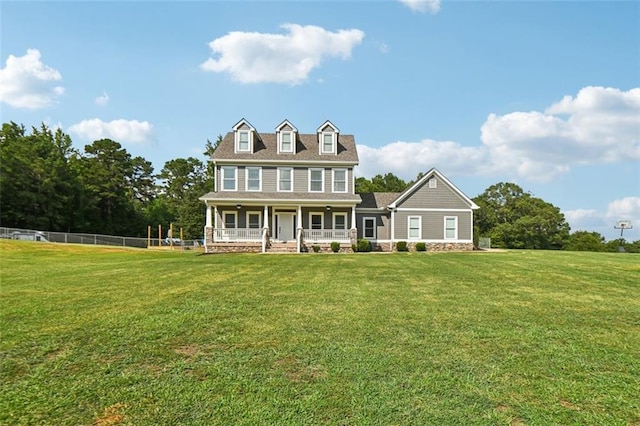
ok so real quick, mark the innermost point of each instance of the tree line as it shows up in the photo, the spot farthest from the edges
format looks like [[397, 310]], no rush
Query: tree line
[[47, 184]]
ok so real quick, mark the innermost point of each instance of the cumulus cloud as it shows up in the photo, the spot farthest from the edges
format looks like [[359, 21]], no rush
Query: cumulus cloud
[[102, 100], [252, 57], [131, 131], [407, 159], [422, 6], [627, 208], [598, 125], [26, 82]]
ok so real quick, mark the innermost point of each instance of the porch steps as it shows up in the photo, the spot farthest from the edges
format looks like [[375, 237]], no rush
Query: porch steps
[[276, 247]]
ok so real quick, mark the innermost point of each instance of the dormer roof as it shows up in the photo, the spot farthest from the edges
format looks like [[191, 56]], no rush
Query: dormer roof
[[243, 124], [286, 125], [326, 124]]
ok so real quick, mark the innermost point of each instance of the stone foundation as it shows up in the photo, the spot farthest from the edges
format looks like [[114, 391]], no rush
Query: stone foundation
[[234, 248], [442, 246]]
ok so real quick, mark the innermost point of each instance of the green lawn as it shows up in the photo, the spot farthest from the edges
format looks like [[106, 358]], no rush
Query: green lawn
[[118, 336]]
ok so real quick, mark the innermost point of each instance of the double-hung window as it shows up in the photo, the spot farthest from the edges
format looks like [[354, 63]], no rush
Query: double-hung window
[[230, 220], [340, 221], [229, 178], [243, 141], [254, 181], [253, 220], [339, 180], [286, 141], [316, 180], [328, 143], [316, 220], [369, 227], [285, 179], [415, 227], [450, 227]]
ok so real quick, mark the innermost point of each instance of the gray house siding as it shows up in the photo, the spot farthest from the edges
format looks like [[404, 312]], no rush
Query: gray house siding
[[443, 197], [432, 224]]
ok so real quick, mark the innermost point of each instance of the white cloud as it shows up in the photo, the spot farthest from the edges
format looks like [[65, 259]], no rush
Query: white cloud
[[627, 208], [26, 82], [600, 125], [102, 99], [131, 131], [252, 57], [422, 6], [407, 159]]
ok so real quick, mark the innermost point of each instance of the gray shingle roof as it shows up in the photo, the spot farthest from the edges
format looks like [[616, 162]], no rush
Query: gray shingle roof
[[265, 147], [377, 200]]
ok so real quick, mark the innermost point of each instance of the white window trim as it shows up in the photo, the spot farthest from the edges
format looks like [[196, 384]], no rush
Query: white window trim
[[249, 140], [343, 214], [364, 228], [455, 237], [433, 183], [235, 177], [409, 237], [321, 177], [311, 214], [281, 141], [246, 178], [259, 213], [333, 143], [333, 180], [278, 179], [235, 219]]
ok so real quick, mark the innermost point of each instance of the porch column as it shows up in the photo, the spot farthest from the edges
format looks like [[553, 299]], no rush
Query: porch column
[[265, 228], [215, 222], [353, 217], [393, 227], [208, 220], [299, 228]]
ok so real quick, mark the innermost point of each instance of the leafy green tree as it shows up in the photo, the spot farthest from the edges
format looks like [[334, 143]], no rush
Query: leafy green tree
[[585, 241], [387, 183], [37, 184], [515, 219]]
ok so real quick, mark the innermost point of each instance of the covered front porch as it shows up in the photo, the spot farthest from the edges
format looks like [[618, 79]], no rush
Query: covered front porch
[[244, 227]]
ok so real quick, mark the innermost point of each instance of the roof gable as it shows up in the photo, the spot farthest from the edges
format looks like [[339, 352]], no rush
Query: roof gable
[[243, 124], [286, 126], [327, 126], [431, 173]]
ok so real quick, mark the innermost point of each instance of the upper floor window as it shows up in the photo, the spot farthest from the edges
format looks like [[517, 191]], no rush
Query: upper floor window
[[229, 178], [450, 227], [285, 179], [244, 142], [254, 179], [433, 183], [339, 180], [415, 227], [286, 141], [316, 180], [328, 143]]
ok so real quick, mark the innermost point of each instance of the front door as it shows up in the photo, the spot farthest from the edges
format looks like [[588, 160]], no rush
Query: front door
[[285, 226]]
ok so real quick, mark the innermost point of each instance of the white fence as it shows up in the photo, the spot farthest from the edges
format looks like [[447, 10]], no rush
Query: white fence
[[237, 234], [326, 235]]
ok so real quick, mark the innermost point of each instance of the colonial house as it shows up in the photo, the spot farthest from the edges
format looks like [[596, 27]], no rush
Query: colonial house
[[289, 191]]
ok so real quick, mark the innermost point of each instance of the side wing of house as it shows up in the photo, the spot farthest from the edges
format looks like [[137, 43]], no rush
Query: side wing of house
[[434, 211]]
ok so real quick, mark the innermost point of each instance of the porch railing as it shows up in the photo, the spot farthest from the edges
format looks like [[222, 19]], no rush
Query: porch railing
[[326, 235], [237, 234]]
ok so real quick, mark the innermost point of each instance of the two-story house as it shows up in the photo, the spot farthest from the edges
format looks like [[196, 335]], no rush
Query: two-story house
[[288, 191]]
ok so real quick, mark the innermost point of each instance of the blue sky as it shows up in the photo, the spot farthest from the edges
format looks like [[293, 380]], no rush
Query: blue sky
[[543, 94]]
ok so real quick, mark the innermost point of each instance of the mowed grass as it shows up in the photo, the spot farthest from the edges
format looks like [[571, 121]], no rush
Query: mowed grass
[[114, 336]]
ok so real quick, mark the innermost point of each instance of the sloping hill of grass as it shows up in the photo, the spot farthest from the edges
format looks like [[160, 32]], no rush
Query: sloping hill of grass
[[115, 336]]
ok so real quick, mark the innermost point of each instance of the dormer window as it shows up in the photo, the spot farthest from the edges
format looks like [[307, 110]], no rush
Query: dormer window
[[243, 141], [328, 143], [328, 138], [286, 133], [243, 136], [286, 141]]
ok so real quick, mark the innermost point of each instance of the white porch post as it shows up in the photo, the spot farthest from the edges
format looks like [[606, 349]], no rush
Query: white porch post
[[298, 228], [393, 227], [265, 228], [353, 217], [215, 222], [208, 220]]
